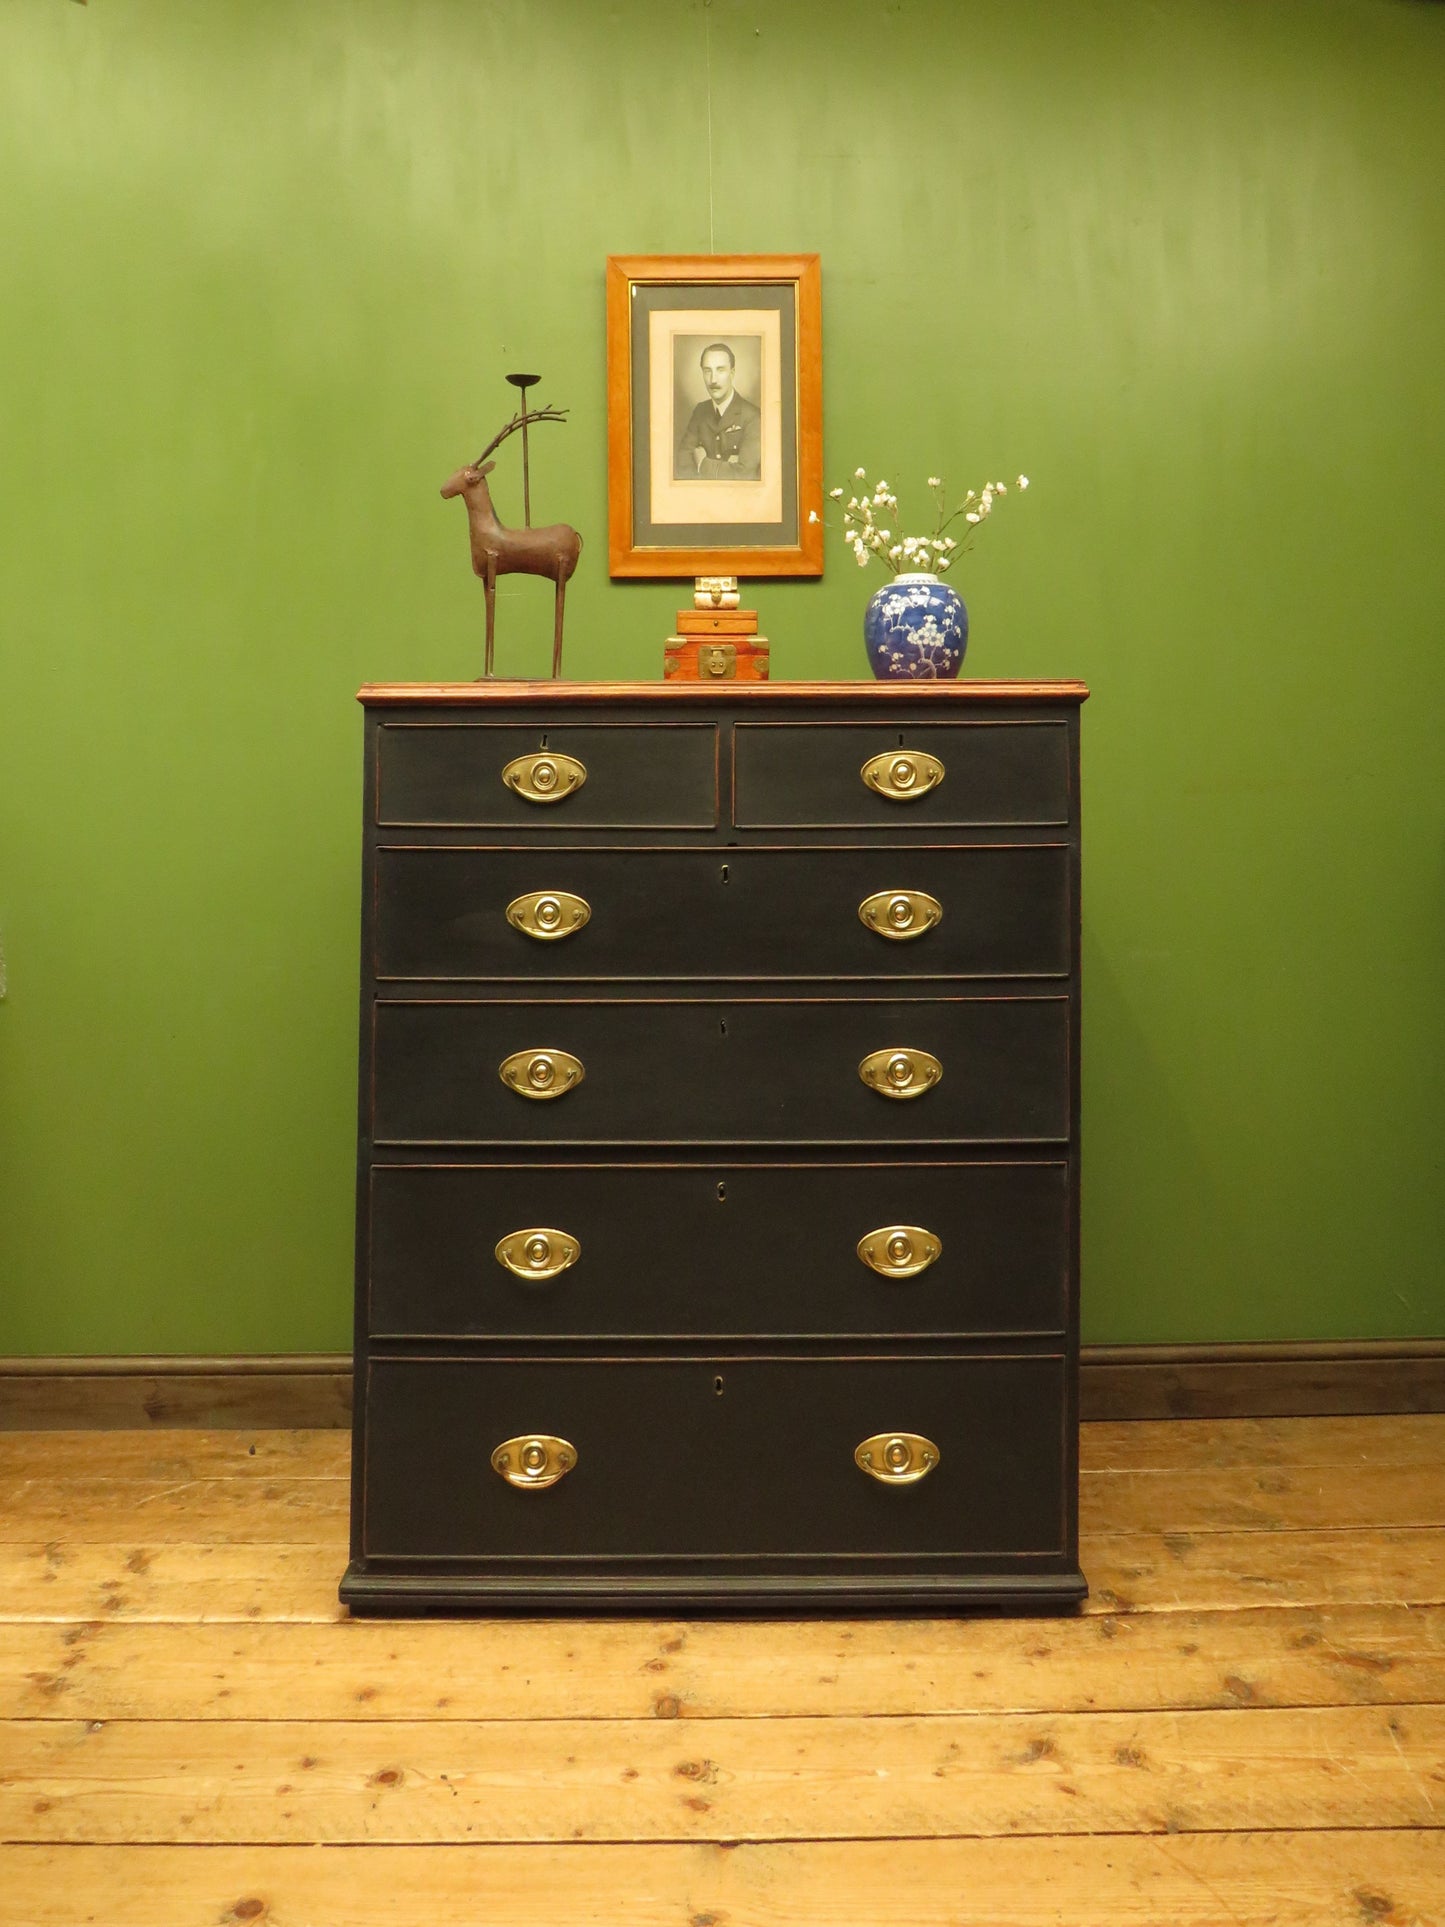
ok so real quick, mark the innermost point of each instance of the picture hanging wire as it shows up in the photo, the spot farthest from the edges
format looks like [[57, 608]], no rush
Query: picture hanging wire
[[707, 68]]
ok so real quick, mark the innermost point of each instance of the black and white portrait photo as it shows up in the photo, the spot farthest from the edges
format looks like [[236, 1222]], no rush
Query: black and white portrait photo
[[717, 405], [714, 415]]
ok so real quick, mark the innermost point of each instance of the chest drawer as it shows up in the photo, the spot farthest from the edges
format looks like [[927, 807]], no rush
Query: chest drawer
[[1002, 911], [694, 1456], [987, 773], [720, 1250], [642, 775], [759, 1070]]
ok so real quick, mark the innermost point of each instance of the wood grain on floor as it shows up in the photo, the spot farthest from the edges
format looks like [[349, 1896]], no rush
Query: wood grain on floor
[[1246, 1724]]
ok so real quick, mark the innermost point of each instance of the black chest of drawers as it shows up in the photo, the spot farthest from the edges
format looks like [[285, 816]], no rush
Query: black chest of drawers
[[717, 1226]]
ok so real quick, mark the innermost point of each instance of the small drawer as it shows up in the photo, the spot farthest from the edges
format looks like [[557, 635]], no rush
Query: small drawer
[[634, 1071], [1003, 910], [788, 775], [593, 776], [717, 1251], [714, 1456]]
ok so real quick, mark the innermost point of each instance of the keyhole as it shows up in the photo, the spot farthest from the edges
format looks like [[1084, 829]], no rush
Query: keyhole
[[725, 873], [722, 1194], [723, 1026], [717, 1386], [900, 740], [543, 743]]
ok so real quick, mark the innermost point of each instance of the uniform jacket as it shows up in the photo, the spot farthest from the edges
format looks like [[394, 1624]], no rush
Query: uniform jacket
[[731, 443]]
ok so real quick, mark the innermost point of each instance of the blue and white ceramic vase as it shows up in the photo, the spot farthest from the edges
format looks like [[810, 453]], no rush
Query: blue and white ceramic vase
[[916, 629]]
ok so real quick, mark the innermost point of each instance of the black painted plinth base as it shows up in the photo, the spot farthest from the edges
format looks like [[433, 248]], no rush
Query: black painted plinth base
[[398, 1595]]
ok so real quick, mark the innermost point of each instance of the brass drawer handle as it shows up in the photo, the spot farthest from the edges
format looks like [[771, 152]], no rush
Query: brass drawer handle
[[548, 914], [897, 1458], [541, 1073], [547, 778], [899, 1250], [534, 1460], [902, 775], [537, 1252], [900, 914], [900, 1073]]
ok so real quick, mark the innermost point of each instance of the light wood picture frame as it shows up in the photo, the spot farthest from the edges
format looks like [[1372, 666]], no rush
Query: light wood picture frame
[[714, 415]]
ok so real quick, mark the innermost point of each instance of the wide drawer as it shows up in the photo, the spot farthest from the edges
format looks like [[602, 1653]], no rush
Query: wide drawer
[[442, 912], [703, 1456], [686, 1072], [992, 773], [648, 775], [717, 1250]]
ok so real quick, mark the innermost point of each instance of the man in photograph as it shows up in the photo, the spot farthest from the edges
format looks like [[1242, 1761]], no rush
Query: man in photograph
[[723, 440]]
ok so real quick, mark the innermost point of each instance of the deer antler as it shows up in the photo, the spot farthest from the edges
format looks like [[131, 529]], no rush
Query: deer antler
[[526, 415]]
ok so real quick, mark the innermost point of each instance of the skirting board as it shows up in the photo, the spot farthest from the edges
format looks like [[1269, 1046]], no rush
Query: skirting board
[[1116, 1382]]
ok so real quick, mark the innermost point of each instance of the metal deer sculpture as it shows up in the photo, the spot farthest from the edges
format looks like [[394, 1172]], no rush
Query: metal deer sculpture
[[497, 550]]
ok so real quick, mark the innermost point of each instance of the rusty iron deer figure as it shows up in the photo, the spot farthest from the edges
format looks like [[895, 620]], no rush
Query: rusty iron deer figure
[[496, 550]]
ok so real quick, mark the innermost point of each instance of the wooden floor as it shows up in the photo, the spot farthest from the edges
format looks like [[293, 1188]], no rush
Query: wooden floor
[[1246, 1724]]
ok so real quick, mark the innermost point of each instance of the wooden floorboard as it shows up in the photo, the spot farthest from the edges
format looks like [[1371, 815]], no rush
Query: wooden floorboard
[[283, 1782], [1340, 1879], [291, 1510], [1245, 1725], [1172, 1445], [631, 1669], [1163, 1571]]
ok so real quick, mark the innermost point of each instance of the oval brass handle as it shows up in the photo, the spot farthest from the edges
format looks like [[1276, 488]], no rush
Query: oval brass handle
[[541, 1073], [534, 1460], [902, 775], [900, 1072], [548, 914], [537, 1252], [547, 778], [900, 914], [897, 1458], [899, 1250]]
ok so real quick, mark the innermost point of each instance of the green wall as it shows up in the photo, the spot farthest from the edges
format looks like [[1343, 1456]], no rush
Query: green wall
[[262, 265]]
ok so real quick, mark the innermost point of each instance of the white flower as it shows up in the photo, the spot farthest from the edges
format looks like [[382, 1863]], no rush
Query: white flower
[[935, 481], [813, 515], [895, 552], [885, 535], [862, 558], [882, 488], [1023, 481], [835, 495], [972, 516], [859, 473]]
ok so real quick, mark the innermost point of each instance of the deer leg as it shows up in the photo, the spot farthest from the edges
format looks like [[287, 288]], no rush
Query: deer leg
[[489, 583], [557, 628]]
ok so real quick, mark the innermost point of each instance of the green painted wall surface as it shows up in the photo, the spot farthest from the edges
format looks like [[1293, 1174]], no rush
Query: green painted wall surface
[[263, 267]]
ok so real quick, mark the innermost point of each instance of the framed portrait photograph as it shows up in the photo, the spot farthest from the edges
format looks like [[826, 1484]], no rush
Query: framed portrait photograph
[[714, 414]]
